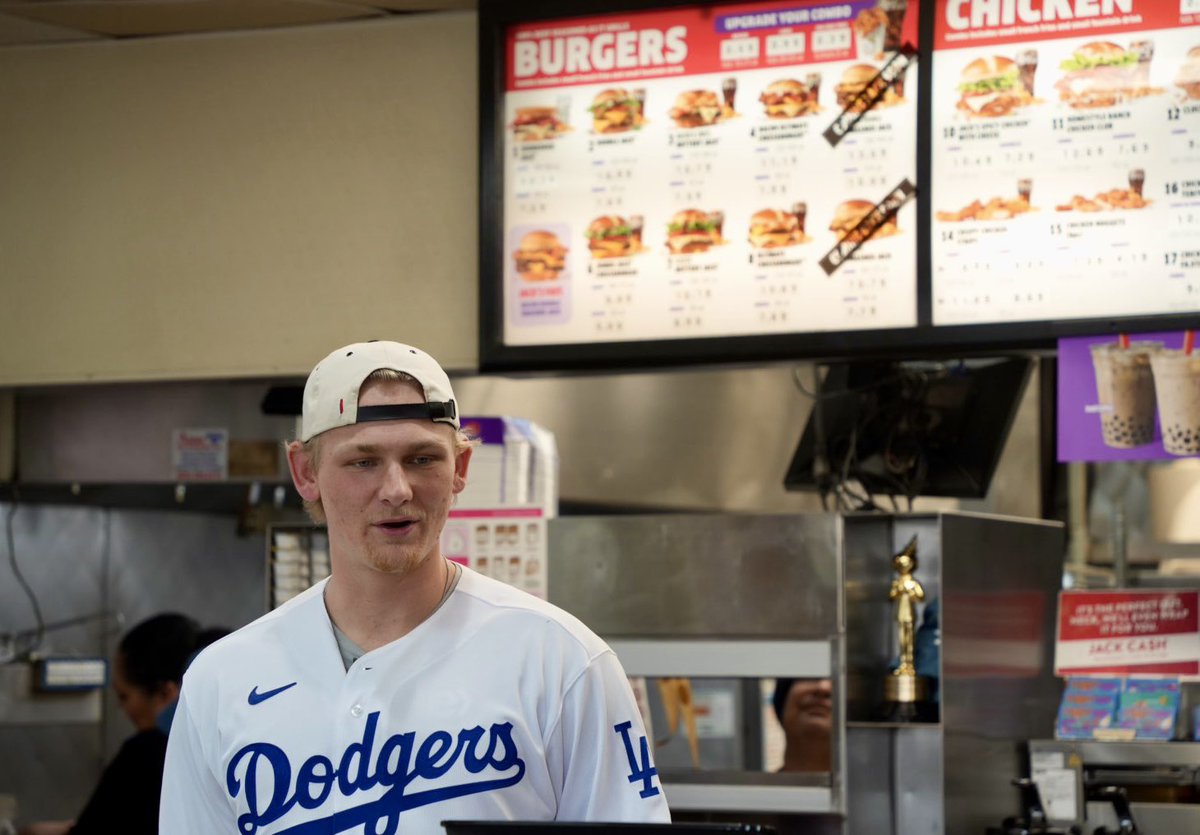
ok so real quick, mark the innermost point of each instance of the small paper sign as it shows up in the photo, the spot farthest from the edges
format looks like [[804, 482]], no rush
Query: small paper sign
[[200, 454]]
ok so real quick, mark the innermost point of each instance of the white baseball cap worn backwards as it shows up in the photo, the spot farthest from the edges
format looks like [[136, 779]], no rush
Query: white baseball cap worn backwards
[[331, 393]]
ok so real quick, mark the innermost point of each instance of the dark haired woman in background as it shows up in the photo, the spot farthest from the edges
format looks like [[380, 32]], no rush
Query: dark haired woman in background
[[146, 676], [804, 707]]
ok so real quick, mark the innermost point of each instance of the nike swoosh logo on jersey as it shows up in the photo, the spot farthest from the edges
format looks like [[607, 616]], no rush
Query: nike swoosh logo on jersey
[[255, 697]]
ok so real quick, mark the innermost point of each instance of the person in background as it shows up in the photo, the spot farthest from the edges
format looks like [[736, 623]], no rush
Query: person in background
[[405, 689], [805, 710], [207, 636], [146, 676]]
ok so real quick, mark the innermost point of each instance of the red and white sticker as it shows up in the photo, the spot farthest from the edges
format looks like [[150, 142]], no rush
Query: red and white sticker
[[1128, 632]]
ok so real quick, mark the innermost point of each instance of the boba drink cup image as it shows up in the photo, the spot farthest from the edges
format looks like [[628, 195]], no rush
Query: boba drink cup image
[[1125, 388], [1177, 386]]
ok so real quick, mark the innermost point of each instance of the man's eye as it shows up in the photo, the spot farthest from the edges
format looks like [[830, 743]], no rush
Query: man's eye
[[362, 463], [424, 460]]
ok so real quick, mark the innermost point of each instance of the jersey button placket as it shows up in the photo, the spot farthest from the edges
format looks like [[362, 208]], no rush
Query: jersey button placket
[[350, 729]]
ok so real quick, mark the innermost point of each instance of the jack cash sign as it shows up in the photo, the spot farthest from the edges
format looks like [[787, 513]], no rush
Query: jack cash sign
[[624, 50], [973, 14], [1129, 645]]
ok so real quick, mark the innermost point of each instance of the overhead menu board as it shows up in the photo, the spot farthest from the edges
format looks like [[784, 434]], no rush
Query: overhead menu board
[[708, 171], [1065, 154]]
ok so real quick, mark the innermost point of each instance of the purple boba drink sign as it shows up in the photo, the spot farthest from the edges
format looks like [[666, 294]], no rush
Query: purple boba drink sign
[[1128, 400]]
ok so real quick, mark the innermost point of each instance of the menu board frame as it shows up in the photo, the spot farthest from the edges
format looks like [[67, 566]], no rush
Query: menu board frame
[[922, 340]]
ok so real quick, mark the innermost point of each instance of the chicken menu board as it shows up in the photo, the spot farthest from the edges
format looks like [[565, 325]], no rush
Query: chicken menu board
[[670, 174], [1065, 159]]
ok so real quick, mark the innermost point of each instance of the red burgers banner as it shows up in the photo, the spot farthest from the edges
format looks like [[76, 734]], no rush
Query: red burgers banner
[[693, 41]]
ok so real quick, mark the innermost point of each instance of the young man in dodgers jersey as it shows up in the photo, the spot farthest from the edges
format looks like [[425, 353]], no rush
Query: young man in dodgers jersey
[[405, 690]]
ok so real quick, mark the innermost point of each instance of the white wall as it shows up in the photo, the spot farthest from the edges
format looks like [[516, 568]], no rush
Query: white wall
[[233, 205]]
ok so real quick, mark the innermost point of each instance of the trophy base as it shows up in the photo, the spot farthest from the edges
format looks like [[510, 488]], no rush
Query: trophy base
[[905, 689]]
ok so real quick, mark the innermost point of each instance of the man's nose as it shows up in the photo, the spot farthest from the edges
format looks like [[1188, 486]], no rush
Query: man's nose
[[395, 488]]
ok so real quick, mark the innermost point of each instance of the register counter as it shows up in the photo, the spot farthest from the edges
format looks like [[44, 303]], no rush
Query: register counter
[[1160, 780]]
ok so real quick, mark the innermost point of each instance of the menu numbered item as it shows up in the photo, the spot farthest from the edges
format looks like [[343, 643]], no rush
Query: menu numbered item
[[1066, 160], [666, 173]]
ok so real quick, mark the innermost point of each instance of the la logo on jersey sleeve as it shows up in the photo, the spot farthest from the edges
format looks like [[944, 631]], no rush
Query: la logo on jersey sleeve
[[641, 768]]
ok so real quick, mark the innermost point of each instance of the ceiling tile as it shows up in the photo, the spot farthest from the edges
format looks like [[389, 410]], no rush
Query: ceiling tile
[[417, 5], [16, 31], [124, 18]]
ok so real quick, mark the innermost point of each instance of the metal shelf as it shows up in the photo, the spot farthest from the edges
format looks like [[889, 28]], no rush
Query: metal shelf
[[1135, 752]]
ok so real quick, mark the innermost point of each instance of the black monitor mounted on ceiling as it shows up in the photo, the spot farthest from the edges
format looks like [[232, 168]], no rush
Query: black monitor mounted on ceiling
[[907, 429]]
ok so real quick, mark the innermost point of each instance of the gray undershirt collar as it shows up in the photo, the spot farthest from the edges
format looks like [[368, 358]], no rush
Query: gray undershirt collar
[[351, 651]]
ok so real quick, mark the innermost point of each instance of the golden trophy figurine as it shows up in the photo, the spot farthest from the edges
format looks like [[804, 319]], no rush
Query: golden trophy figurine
[[903, 686]]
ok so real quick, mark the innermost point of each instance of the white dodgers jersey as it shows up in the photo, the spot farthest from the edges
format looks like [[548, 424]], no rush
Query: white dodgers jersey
[[498, 707]]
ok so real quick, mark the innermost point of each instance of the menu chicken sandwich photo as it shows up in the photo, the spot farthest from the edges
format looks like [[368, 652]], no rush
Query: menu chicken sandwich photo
[[991, 86], [1188, 78], [1104, 74]]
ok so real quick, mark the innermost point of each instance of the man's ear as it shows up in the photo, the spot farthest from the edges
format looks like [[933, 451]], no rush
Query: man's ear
[[461, 463], [304, 472]]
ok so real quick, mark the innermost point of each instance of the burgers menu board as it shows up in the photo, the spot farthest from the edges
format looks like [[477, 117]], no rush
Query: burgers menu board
[[709, 171], [1065, 159]]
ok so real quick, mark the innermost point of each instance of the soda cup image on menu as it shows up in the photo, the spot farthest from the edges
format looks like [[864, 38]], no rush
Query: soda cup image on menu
[[1027, 63], [1177, 386], [1125, 389], [895, 10]]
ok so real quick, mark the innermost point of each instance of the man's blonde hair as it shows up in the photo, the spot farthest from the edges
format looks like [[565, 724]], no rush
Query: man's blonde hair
[[312, 447]]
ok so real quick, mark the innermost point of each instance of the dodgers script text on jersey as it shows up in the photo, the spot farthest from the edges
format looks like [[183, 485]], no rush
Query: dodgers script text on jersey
[[273, 735]]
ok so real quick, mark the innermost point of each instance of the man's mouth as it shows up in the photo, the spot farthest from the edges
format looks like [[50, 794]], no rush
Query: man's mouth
[[396, 525]]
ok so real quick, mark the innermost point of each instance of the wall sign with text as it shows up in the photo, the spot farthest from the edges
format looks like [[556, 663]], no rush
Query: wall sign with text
[[1128, 397], [1128, 633]]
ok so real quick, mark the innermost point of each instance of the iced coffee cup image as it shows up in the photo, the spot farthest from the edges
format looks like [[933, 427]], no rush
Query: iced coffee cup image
[[1177, 387], [1125, 390]]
